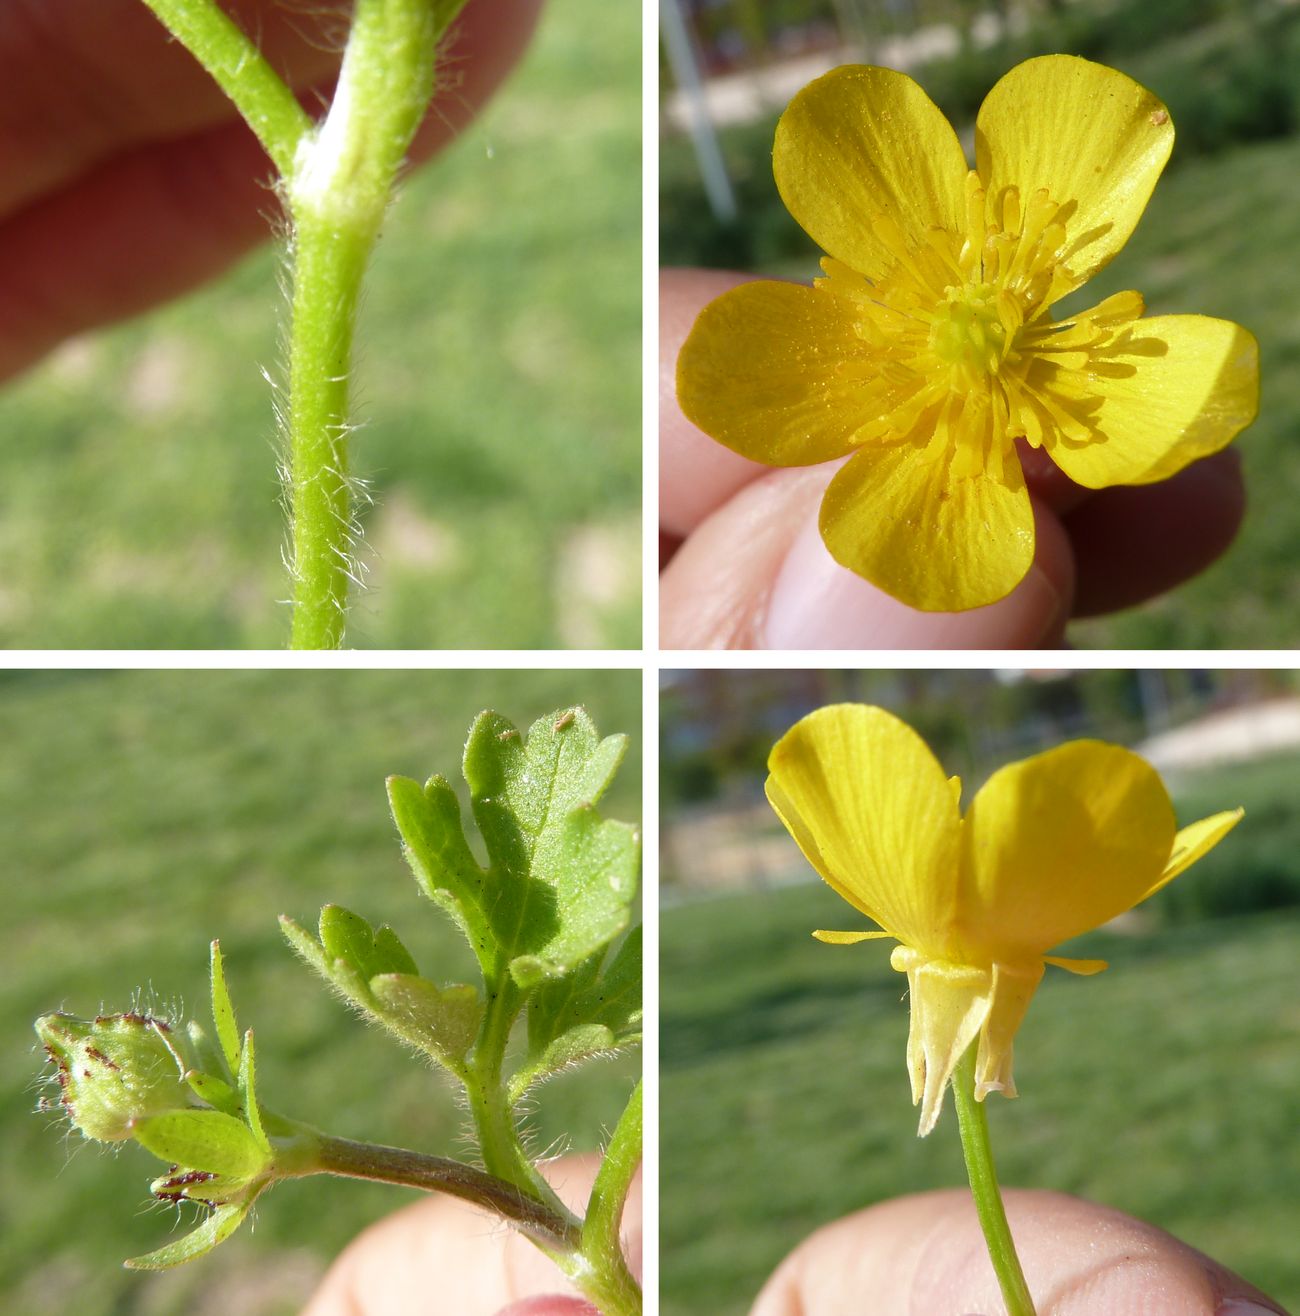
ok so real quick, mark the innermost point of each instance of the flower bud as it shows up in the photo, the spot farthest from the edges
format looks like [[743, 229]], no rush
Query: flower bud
[[116, 1069]]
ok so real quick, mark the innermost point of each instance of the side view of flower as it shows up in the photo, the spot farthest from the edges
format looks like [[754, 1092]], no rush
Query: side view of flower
[[1049, 848], [548, 919], [932, 344]]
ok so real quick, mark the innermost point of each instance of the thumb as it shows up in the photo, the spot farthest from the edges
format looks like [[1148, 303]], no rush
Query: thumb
[[925, 1256], [755, 575]]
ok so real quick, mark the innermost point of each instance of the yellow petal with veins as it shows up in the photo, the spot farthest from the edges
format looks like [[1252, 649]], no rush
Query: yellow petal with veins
[[1094, 138], [1165, 392], [778, 373], [896, 516], [860, 143], [1195, 841], [1059, 844], [873, 813]]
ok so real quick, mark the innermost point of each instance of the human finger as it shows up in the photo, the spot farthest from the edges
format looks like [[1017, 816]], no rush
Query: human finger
[[756, 575], [87, 80], [925, 1256], [1132, 544], [442, 1257], [154, 221]]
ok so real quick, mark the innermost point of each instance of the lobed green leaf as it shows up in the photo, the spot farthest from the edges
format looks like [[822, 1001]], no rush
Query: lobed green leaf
[[433, 837], [563, 877], [349, 937]]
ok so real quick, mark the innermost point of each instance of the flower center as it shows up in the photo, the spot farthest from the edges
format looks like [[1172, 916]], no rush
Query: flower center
[[968, 330]]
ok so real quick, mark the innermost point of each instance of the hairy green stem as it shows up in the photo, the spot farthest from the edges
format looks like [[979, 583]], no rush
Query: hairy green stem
[[337, 179], [438, 1174], [503, 1154], [983, 1177], [601, 1242], [596, 1263], [236, 64], [329, 264], [338, 192]]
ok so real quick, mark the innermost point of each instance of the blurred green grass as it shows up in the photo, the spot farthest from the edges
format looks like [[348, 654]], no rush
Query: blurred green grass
[[1165, 1087], [149, 812], [498, 383], [1216, 240]]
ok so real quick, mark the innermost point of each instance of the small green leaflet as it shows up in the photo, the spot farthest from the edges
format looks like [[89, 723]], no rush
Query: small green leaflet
[[374, 971], [215, 1229], [223, 1012]]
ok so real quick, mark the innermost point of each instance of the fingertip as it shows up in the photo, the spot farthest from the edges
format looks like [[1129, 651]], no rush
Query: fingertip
[[1133, 543], [554, 1305], [924, 1255], [756, 575]]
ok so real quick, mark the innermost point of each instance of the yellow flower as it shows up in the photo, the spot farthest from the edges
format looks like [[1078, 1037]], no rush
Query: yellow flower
[[1049, 848], [930, 346]]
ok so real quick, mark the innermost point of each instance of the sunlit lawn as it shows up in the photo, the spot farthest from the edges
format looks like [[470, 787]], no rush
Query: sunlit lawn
[[499, 389], [148, 813]]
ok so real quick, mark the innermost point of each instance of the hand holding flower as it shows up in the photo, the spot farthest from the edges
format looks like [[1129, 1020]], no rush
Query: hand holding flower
[[931, 344]]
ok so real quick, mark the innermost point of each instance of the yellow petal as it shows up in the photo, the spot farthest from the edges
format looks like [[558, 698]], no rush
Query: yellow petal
[[1173, 389], [898, 516], [1084, 968], [1059, 844], [949, 1005], [1013, 989], [860, 142], [776, 372], [848, 938], [1094, 138], [1194, 841], [872, 812]]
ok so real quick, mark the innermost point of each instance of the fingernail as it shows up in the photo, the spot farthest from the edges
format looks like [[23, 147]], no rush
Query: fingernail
[[818, 604], [1245, 1307]]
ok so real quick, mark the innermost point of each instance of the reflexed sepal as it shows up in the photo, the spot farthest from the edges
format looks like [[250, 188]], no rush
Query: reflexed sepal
[[215, 1092], [218, 1227]]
